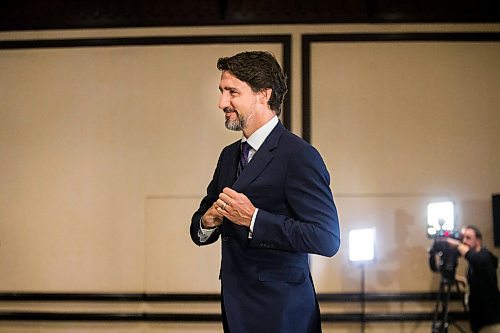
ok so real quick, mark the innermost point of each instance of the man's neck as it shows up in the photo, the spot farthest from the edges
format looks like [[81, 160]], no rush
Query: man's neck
[[247, 132]]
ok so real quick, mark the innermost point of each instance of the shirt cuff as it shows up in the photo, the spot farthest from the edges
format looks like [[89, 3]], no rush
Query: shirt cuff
[[252, 223], [204, 234]]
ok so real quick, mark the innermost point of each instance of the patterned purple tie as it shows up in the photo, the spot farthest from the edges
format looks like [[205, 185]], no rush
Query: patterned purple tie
[[245, 148]]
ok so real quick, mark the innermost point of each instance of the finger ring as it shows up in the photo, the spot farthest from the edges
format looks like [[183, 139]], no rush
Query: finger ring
[[224, 206]]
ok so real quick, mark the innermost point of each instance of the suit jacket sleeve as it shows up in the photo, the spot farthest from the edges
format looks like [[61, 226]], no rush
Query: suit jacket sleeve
[[208, 200], [312, 223]]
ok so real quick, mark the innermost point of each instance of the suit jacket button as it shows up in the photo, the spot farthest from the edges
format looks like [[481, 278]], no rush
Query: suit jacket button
[[225, 239]]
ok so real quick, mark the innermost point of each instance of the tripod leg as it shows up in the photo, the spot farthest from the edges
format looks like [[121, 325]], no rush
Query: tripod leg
[[446, 308], [460, 329], [438, 322]]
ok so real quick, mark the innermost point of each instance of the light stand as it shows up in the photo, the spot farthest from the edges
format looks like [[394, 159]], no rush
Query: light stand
[[362, 250], [362, 297]]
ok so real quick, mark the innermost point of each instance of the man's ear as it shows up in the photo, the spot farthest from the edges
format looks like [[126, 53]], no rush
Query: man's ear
[[265, 95]]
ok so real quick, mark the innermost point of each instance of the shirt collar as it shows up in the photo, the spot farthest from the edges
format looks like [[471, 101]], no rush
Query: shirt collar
[[259, 136]]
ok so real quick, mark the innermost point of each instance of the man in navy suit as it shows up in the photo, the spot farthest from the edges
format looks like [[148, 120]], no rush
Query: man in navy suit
[[271, 206]]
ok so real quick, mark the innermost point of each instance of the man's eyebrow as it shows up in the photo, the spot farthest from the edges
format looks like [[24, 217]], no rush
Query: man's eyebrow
[[227, 88]]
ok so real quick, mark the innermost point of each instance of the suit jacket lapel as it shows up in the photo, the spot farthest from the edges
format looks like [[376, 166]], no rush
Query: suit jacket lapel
[[228, 176], [260, 160]]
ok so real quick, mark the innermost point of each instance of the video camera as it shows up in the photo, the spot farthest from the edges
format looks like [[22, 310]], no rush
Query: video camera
[[443, 257]]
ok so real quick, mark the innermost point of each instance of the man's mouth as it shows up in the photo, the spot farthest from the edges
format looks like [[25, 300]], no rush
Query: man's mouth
[[228, 112]]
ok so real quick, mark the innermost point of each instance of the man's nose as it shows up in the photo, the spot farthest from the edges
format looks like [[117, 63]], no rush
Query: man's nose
[[223, 101]]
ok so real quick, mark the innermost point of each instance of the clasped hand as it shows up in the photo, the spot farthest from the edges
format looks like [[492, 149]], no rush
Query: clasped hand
[[234, 206]]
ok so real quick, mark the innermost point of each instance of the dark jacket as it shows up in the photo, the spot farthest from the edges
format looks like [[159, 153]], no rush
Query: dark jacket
[[484, 298], [266, 282]]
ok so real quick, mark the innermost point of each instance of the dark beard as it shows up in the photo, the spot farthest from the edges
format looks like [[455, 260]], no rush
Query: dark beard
[[235, 125]]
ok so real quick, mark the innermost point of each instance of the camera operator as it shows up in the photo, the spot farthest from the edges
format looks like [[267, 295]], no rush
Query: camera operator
[[484, 297]]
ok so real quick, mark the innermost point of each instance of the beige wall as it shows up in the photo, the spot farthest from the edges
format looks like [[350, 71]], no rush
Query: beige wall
[[99, 180], [402, 124], [105, 155]]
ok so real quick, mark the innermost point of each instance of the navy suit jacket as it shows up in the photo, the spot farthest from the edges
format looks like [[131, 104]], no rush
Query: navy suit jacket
[[266, 282]]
